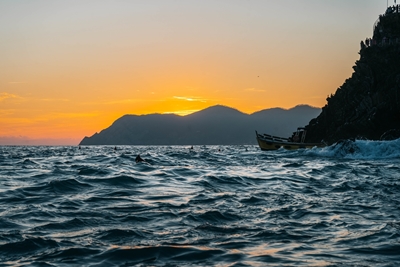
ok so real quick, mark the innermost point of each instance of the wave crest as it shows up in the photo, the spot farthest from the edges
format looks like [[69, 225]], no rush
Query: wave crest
[[360, 149]]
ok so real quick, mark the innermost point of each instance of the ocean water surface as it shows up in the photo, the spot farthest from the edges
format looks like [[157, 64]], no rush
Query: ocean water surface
[[206, 206]]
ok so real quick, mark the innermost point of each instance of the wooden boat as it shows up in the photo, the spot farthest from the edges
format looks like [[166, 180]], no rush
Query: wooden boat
[[296, 141]]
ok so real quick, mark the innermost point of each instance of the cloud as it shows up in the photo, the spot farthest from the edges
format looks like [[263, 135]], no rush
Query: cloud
[[54, 99], [254, 90], [7, 112], [5, 95], [191, 99]]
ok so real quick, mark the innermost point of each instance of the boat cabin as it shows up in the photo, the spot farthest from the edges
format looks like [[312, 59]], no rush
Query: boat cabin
[[298, 136]]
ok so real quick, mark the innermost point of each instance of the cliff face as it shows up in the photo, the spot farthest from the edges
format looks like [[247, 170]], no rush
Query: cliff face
[[367, 105]]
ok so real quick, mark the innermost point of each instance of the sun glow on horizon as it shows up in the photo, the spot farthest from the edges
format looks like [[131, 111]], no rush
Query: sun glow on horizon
[[182, 112]]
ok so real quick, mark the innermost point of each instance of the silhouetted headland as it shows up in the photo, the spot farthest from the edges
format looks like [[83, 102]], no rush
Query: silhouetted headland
[[367, 105]]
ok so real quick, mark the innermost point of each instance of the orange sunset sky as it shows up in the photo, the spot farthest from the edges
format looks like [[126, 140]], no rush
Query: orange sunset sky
[[69, 69]]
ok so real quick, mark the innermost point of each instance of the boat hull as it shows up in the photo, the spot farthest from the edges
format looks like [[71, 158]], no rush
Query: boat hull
[[272, 144]]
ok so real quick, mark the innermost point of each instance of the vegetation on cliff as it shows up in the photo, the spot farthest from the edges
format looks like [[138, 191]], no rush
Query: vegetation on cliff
[[367, 105]]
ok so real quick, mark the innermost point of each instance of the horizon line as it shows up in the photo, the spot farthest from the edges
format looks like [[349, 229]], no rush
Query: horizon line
[[179, 113]]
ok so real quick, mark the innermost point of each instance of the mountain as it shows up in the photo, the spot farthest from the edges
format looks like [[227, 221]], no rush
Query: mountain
[[367, 105], [216, 125]]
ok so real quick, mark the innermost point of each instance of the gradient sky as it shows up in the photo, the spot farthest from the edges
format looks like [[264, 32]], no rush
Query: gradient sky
[[70, 68]]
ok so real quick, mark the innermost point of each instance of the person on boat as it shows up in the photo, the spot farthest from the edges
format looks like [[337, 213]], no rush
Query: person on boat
[[293, 138], [138, 159], [290, 139]]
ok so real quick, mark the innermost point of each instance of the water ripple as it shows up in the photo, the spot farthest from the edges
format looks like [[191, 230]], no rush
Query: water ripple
[[207, 206]]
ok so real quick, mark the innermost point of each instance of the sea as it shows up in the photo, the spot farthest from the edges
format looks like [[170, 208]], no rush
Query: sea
[[200, 206]]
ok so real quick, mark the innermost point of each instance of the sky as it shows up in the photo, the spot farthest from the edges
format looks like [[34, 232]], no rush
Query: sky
[[69, 69]]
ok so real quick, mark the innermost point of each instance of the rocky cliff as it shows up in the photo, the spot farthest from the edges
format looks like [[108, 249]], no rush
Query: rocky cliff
[[367, 105]]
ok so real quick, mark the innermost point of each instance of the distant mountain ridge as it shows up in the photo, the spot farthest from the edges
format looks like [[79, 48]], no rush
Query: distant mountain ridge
[[216, 125]]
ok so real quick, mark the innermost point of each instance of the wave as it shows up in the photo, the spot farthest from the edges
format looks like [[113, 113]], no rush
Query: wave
[[359, 149]]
